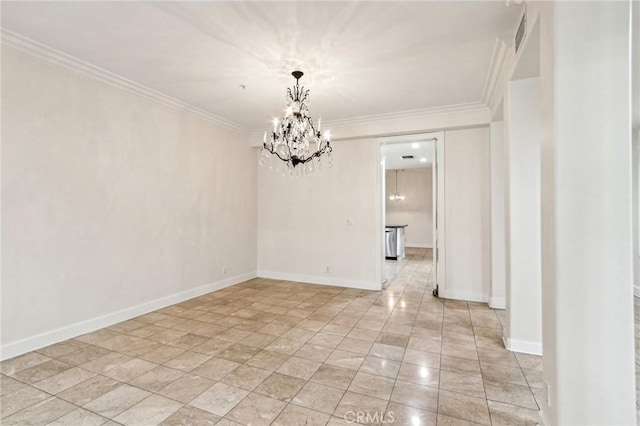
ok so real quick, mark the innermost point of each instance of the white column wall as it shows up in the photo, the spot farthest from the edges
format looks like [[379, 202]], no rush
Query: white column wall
[[523, 332], [497, 298], [635, 105], [467, 213], [586, 221]]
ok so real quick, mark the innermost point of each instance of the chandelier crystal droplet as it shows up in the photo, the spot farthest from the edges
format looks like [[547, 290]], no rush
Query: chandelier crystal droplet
[[294, 139]]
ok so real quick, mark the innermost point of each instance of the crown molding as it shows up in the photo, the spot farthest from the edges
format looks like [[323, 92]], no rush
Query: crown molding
[[26, 45], [498, 59], [401, 115]]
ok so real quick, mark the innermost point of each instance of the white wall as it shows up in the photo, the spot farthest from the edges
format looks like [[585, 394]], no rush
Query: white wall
[[498, 250], [468, 215], [416, 210], [586, 214], [112, 204], [523, 330], [302, 222], [635, 104]]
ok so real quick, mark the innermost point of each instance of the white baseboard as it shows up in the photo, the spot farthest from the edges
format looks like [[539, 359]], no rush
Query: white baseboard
[[522, 346], [470, 296], [418, 245], [319, 279], [498, 303], [636, 291], [41, 340]]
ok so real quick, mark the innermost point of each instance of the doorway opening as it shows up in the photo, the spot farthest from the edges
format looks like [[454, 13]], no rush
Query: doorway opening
[[409, 199]]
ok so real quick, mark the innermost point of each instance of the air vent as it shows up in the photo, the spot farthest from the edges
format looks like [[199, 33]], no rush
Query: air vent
[[407, 157]]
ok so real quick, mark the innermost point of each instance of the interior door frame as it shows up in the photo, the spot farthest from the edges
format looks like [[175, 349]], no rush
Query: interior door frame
[[438, 202], [439, 227]]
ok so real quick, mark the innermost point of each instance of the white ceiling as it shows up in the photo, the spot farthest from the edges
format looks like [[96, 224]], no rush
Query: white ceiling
[[422, 155], [359, 58]]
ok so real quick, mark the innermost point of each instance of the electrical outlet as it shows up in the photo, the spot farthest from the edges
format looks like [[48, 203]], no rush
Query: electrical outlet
[[328, 270], [224, 270]]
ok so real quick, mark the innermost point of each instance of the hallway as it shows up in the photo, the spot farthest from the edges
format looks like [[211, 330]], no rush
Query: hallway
[[274, 352]]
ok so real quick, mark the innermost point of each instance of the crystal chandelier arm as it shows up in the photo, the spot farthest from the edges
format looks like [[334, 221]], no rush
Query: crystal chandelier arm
[[302, 96], [274, 152], [327, 149], [315, 132]]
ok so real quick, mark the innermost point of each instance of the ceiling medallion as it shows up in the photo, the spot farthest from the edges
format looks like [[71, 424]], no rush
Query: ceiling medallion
[[294, 138]]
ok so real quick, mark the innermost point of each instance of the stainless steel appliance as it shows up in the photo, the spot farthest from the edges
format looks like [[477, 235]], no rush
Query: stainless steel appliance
[[390, 246], [394, 241]]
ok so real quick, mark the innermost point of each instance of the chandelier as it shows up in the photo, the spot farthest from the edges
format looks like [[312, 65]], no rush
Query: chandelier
[[397, 196], [294, 139]]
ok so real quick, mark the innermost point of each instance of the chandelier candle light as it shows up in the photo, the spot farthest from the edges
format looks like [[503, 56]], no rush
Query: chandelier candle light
[[294, 137]]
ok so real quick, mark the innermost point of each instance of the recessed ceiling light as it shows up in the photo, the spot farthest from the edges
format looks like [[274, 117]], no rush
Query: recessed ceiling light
[[423, 160], [415, 145]]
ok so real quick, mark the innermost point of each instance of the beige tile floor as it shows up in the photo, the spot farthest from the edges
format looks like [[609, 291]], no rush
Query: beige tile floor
[[282, 353]]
